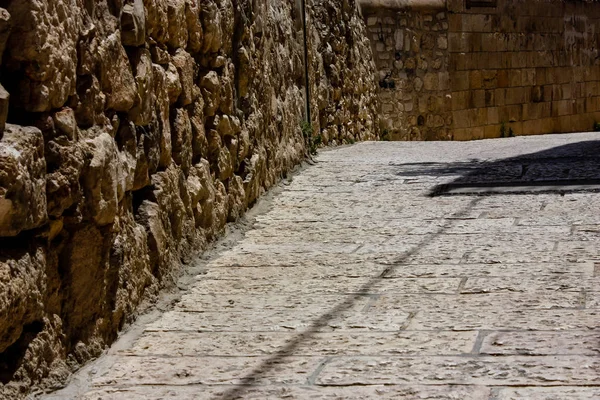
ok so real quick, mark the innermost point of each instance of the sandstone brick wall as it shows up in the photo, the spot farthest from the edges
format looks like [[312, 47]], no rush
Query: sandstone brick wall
[[136, 130], [514, 66], [532, 65]]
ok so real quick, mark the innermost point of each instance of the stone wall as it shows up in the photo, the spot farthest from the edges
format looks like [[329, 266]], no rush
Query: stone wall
[[411, 51], [514, 67], [136, 130]]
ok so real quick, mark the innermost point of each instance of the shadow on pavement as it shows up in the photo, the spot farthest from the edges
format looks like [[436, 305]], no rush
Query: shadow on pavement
[[278, 358], [573, 167]]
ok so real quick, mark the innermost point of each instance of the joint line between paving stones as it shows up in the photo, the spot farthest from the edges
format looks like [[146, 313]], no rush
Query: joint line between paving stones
[[373, 298], [267, 365], [481, 335], [583, 300], [461, 285], [313, 377], [494, 393]]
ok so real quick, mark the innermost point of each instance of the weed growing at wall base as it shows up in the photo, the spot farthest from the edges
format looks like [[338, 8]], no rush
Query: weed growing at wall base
[[312, 141]]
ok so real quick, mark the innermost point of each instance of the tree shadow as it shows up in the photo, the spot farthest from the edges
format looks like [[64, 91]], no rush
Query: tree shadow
[[573, 167]]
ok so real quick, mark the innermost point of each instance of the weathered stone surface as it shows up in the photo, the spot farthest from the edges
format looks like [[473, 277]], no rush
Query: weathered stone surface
[[43, 48], [541, 343], [144, 109], [5, 27], [103, 179], [359, 285], [133, 24], [4, 98], [21, 301], [158, 126], [320, 344], [116, 77], [539, 393], [540, 371], [22, 180], [409, 392]]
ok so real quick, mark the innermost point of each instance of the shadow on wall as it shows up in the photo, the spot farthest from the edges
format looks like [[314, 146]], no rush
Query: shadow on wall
[[570, 168]]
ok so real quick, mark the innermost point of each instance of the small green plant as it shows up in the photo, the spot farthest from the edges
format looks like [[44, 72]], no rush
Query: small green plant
[[596, 126], [506, 132], [385, 135], [312, 141]]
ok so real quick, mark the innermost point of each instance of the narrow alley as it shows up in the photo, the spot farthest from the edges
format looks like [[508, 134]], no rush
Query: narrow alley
[[391, 270]]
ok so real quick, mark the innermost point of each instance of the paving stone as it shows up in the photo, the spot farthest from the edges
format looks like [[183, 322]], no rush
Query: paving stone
[[226, 302], [324, 286], [492, 301], [196, 392], [319, 320], [206, 370], [582, 269], [542, 343], [553, 393], [501, 319], [510, 370], [313, 344], [557, 282]]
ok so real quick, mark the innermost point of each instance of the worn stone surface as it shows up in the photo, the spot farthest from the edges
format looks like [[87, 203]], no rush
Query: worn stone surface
[[357, 283], [131, 132]]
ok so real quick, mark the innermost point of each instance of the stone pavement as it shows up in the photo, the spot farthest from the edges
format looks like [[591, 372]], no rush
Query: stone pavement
[[357, 284]]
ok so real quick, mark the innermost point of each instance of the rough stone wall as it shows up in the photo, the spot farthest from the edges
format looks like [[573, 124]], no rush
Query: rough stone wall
[[516, 67], [136, 130], [411, 52], [342, 69]]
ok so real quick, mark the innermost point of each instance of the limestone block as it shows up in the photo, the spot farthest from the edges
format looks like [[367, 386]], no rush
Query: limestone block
[[4, 99], [103, 180], [162, 113], [21, 292], [116, 76], [144, 109], [194, 26], [5, 27], [67, 160], [64, 121], [22, 180], [177, 28], [49, 44], [185, 68], [133, 24], [181, 132]]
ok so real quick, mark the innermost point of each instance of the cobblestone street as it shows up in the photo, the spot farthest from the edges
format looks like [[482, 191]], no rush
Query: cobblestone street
[[392, 270]]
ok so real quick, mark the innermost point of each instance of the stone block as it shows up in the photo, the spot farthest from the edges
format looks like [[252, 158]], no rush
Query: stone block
[[477, 98], [475, 79], [461, 118], [489, 42], [514, 78], [460, 100], [22, 180], [442, 42], [4, 102], [492, 131], [5, 27], [133, 24], [493, 116]]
